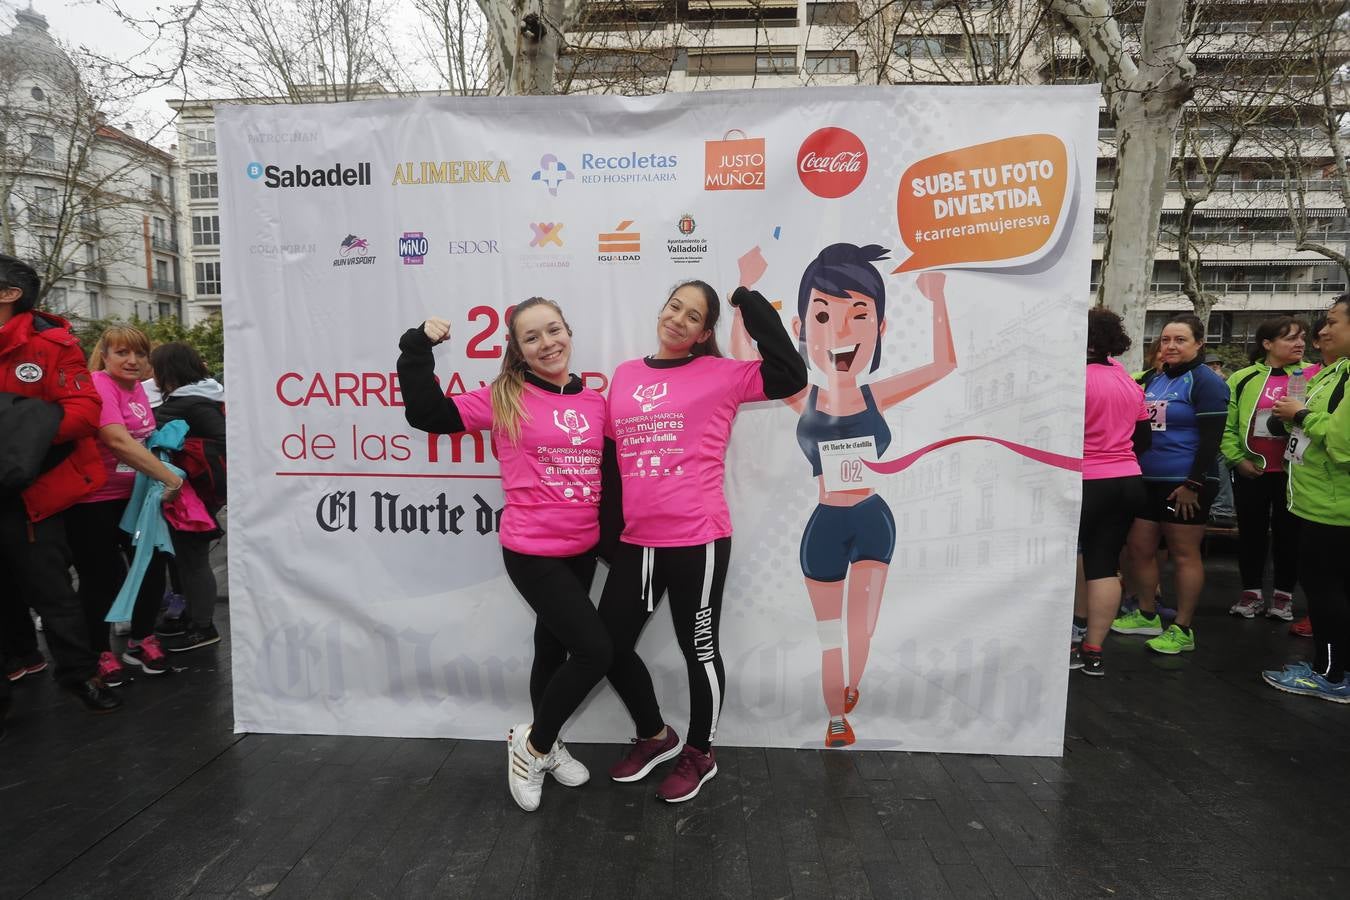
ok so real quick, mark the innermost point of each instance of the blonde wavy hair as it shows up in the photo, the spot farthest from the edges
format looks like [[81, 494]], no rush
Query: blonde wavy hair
[[118, 336]]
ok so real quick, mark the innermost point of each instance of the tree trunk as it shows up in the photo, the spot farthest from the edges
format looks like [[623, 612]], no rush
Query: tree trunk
[[1145, 97], [528, 37]]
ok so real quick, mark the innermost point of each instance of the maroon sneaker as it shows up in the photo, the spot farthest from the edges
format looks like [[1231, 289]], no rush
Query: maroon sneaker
[[645, 754], [692, 769]]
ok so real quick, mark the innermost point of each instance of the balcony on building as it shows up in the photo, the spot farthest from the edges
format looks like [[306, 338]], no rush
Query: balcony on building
[[164, 244], [165, 286]]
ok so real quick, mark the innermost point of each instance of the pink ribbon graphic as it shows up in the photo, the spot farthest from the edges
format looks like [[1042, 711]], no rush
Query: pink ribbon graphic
[[891, 466]]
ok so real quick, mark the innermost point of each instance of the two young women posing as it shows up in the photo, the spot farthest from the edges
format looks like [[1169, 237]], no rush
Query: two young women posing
[[549, 431]]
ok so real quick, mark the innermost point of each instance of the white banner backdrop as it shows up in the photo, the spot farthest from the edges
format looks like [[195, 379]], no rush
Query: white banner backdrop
[[366, 583]]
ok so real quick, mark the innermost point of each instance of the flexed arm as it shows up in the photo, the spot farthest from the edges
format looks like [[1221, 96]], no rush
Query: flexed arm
[[425, 406], [890, 391], [786, 367]]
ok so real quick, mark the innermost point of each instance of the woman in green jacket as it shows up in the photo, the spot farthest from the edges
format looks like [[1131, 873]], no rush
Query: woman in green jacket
[[1318, 461], [1255, 454]]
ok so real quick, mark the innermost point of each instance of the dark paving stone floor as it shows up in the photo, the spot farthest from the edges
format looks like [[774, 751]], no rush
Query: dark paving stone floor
[[1181, 777]]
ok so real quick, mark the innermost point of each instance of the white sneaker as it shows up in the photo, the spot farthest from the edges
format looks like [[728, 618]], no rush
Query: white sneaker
[[568, 771], [524, 770]]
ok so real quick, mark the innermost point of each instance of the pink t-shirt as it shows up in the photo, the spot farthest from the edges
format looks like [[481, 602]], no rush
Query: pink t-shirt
[[120, 407], [671, 425], [1114, 404], [552, 477], [1258, 437]]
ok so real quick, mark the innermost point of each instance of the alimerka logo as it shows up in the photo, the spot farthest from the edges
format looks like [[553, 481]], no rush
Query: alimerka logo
[[451, 171], [832, 162]]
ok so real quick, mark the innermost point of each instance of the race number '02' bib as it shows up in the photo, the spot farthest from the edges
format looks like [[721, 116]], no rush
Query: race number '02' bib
[[1293, 451], [841, 462], [1261, 424], [1157, 414]]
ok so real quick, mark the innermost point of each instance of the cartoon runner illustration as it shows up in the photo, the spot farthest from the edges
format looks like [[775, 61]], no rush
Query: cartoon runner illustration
[[574, 425], [850, 537]]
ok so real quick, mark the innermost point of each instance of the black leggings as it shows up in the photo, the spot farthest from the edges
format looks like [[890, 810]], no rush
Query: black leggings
[[1262, 507], [1108, 511], [1326, 581], [100, 548], [571, 646], [693, 577]]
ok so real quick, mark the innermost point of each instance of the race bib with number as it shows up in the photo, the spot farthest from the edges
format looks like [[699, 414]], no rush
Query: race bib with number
[[1293, 451], [841, 462], [1261, 424], [1157, 414]]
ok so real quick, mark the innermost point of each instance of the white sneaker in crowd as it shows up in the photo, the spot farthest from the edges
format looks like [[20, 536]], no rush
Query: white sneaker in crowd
[[524, 770], [568, 771]]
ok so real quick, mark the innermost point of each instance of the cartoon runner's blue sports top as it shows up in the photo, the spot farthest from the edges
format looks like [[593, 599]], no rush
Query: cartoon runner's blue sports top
[[815, 426]]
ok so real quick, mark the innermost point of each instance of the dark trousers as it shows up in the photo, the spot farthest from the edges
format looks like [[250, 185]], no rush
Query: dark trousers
[[18, 637], [100, 548], [196, 580], [1265, 523], [571, 646], [693, 577], [1326, 581], [35, 559]]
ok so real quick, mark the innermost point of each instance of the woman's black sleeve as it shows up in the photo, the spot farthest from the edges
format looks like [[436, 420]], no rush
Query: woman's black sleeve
[[781, 366], [425, 406], [1142, 438], [611, 502], [1211, 434]]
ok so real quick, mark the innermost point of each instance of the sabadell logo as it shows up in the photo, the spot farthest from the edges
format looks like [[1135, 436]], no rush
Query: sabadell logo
[[297, 176], [832, 162]]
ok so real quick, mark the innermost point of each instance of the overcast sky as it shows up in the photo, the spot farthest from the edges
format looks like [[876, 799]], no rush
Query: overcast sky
[[85, 23]]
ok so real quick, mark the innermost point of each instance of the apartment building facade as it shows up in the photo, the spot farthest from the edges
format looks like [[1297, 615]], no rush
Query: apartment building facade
[[90, 205]]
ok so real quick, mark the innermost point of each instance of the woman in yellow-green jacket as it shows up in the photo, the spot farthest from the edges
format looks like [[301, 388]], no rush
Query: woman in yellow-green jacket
[[1318, 461]]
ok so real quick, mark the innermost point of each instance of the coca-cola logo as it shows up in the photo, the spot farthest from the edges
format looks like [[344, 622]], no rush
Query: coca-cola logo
[[832, 162]]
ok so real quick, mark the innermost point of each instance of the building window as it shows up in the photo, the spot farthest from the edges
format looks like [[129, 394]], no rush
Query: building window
[[745, 62], [836, 63], [832, 13], [990, 51], [161, 271], [44, 203], [43, 147], [159, 228], [165, 309], [94, 311], [775, 63], [203, 186], [1038, 504], [201, 141], [156, 186], [208, 278], [205, 231], [918, 46]]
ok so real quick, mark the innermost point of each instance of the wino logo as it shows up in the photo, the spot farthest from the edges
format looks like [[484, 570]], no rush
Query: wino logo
[[546, 233], [552, 172], [620, 245], [413, 247]]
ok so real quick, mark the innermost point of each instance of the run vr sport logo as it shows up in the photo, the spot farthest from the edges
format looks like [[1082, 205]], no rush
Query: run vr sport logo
[[298, 176]]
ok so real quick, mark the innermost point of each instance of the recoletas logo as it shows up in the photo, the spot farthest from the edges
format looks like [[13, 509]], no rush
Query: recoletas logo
[[300, 176], [552, 172]]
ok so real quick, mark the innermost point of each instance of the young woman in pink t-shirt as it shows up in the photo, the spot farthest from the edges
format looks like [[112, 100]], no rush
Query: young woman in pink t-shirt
[[1116, 430], [93, 526], [548, 431], [670, 417]]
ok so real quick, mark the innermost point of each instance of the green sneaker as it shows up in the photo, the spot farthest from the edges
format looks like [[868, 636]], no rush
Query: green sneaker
[[1136, 622], [1172, 641]]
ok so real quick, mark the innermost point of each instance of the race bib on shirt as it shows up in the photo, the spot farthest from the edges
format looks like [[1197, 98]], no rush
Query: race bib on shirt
[[1261, 424], [1293, 451], [1157, 414], [841, 463]]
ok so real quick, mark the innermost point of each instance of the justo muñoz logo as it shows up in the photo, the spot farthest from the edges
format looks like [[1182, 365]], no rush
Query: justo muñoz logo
[[832, 162]]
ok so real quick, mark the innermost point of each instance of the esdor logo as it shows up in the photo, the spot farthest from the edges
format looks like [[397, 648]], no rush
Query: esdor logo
[[832, 162]]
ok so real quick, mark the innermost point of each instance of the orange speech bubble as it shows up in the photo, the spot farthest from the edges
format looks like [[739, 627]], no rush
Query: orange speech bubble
[[990, 203]]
